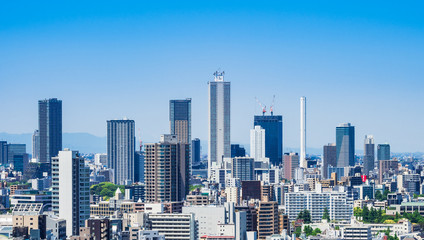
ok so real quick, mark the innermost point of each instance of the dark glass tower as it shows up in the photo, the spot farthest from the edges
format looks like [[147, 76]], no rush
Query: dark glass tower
[[237, 151], [273, 126], [345, 144], [368, 154], [383, 152], [329, 158], [195, 150], [180, 119], [50, 128]]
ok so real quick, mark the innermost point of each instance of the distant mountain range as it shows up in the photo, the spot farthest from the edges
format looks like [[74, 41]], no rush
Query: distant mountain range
[[83, 142]]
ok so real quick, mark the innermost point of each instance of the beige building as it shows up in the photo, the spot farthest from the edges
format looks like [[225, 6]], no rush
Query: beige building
[[268, 219]]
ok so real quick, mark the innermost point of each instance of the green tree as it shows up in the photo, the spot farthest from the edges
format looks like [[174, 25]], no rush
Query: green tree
[[365, 214], [304, 215], [357, 212], [298, 231], [326, 214], [378, 195], [308, 230], [316, 231]]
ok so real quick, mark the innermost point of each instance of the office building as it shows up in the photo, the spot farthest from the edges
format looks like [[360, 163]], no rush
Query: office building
[[167, 170], [100, 228], [369, 154], [237, 151], [243, 168], [329, 158], [257, 143], [177, 226], [357, 232], [345, 145], [303, 132], [3, 152], [121, 150], [36, 145], [50, 128], [195, 151], [139, 166], [383, 151], [100, 159], [387, 168], [273, 126], [20, 162], [268, 219], [251, 190], [219, 145], [17, 156], [71, 190], [291, 162], [180, 119]]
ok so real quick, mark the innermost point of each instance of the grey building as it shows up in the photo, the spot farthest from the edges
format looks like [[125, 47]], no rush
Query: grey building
[[50, 128], [195, 150], [243, 168], [36, 145], [219, 145], [121, 149], [3, 152], [383, 151], [369, 156], [166, 170], [345, 145], [329, 158], [180, 119]]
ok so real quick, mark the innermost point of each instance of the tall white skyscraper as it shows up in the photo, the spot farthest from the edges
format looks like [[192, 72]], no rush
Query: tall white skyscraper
[[257, 143], [71, 190], [303, 132], [219, 121]]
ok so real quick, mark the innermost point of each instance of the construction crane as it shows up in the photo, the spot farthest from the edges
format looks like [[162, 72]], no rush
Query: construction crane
[[262, 106], [271, 109]]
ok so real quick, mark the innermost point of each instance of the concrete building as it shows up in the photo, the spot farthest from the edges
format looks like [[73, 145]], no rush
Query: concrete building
[[99, 228], [329, 158], [180, 226], [150, 235], [257, 143], [100, 159], [121, 149], [357, 232], [167, 170], [268, 219], [70, 190], [180, 119], [369, 157], [36, 145], [50, 128], [31, 222], [387, 168], [345, 145], [233, 195], [243, 168], [291, 162], [219, 145]]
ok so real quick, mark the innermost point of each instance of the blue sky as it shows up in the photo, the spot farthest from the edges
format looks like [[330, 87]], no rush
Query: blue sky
[[359, 62]]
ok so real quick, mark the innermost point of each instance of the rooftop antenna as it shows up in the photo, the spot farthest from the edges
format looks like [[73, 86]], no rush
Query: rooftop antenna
[[271, 109]]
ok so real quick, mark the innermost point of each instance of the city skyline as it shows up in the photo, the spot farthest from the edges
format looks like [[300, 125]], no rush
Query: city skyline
[[285, 59]]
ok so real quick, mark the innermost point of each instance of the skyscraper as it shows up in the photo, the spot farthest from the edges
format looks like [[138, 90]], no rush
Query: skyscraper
[[273, 126], [71, 190], [15, 149], [166, 170], [257, 143], [121, 149], [3, 152], [237, 151], [291, 162], [303, 132], [219, 121], [329, 158], [243, 168], [36, 145], [180, 119], [195, 150], [369, 157], [383, 151], [139, 166], [345, 144], [50, 128]]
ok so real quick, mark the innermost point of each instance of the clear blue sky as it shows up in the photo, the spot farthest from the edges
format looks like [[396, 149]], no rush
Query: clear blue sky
[[355, 61]]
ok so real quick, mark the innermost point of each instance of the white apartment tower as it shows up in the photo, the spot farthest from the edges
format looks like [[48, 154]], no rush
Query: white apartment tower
[[71, 190], [257, 143], [303, 132], [219, 122]]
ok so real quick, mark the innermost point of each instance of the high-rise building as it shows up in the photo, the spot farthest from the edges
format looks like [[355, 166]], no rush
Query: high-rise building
[[303, 132], [139, 166], [291, 162], [50, 128], [383, 151], [195, 150], [36, 145], [243, 168], [3, 152], [257, 143], [219, 121], [71, 190], [273, 126], [180, 119], [345, 145], [121, 150], [15, 149], [329, 158], [166, 169], [387, 168], [268, 220], [368, 154]]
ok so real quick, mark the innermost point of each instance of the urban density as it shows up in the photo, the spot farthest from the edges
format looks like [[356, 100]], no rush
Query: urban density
[[186, 185]]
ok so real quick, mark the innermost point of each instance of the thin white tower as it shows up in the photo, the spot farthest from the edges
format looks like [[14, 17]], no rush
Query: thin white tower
[[303, 132]]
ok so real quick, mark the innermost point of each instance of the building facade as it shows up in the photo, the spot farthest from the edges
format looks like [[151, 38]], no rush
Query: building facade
[[243, 168], [50, 128], [257, 143], [273, 126], [329, 158], [345, 145], [369, 156]]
